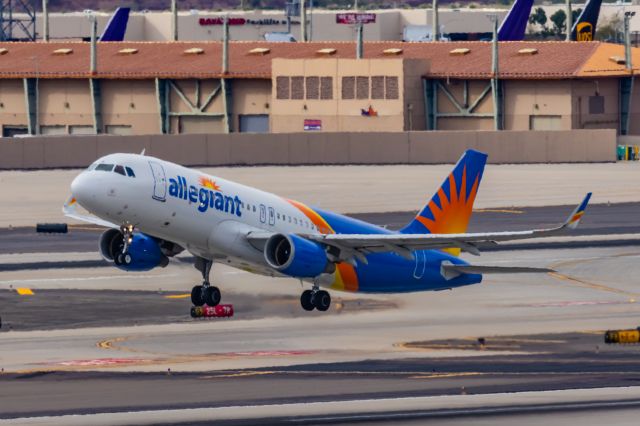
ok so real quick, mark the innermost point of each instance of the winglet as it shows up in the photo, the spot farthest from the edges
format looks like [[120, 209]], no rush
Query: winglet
[[574, 219]]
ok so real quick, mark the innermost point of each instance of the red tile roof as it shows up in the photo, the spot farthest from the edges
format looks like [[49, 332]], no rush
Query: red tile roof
[[554, 60]]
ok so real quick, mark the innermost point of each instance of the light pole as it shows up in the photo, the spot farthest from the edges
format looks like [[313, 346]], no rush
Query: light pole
[[628, 62], [494, 70]]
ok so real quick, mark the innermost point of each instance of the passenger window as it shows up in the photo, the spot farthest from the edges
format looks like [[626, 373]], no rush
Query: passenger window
[[120, 170], [254, 209], [295, 220], [104, 167], [130, 172]]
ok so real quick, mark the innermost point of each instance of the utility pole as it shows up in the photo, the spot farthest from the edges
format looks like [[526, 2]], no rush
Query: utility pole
[[45, 20], [303, 21], [174, 20], [628, 61], [94, 37], [225, 45], [359, 42], [310, 20], [436, 27], [494, 72], [569, 20]]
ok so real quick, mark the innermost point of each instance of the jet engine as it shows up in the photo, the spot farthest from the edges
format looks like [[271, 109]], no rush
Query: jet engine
[[296, 256], [144, 252]]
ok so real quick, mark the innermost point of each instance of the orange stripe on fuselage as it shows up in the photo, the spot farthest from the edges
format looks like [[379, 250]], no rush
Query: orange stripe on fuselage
[[346, 278]]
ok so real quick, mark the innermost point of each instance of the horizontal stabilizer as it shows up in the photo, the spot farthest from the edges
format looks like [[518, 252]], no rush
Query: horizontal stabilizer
[[450, 271]]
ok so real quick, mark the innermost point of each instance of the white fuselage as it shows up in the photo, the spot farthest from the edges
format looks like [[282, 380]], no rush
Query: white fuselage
[[204, 214]]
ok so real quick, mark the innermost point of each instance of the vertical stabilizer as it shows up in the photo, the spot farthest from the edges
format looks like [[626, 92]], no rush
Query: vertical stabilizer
[[515, 23], [117, 25], [449, 210], [585, 27]]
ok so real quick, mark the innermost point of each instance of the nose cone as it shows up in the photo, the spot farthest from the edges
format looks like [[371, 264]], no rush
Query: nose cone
[[80, 188]]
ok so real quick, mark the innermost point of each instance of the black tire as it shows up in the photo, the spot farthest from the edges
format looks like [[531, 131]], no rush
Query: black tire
[[196, 296], [212, 296], [305, 300], [322, 300], [118, 259], [126, 259]]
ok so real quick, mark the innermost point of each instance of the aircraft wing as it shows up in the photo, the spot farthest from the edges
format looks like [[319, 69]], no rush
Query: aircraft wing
[[69, 210], [404, 244]]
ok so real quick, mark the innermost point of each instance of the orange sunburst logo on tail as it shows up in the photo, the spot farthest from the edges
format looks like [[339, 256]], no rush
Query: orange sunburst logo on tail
[[452, 214], [209, 183]]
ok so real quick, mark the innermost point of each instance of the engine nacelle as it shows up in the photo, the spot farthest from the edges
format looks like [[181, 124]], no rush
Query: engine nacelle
[[144, 250], [296, 256]]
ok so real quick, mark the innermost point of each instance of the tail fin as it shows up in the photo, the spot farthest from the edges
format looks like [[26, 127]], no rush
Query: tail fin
[[584, 29], [117, 25], [450, 209], [515, 23]]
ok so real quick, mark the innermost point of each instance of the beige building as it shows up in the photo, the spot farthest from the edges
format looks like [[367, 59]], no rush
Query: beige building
[[143, 88]]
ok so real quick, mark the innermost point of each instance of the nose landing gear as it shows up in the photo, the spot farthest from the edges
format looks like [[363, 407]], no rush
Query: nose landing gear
[[205, 293], [315, 299], [123, 257]]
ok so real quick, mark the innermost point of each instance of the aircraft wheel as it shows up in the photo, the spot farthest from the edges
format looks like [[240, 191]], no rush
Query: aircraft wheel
[[322, 300], [306, 300], [196, 296], [212, 296]]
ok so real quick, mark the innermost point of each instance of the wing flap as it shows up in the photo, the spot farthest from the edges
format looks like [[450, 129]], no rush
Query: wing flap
[[450, 271]]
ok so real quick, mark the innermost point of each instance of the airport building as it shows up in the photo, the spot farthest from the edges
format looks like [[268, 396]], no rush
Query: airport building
[[138, 88]]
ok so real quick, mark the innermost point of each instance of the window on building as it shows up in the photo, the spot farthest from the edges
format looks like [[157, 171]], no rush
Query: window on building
[[11, 131], [377, 87], [118, 129], [297, 87], [282, 88], [348, 87], [81, 130], [326, 87], [596, 104], [312, 87], [53, 130], [545, 122], [362, 87], [391, 87]]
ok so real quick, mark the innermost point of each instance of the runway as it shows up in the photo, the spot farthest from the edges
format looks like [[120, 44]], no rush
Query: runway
[[93, 339]]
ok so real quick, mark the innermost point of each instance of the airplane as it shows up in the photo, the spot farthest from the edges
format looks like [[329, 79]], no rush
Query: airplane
[[155, 209], [584, 29], [515, 23]]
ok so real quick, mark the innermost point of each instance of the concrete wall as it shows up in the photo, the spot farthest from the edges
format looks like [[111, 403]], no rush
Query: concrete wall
[[316, 148]]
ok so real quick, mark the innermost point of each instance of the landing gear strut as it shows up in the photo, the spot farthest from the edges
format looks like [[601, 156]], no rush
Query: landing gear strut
[[315, 299], [123, 257], [205, 293]]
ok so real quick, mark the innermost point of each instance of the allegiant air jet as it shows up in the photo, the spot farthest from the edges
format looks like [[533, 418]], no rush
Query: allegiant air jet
[[155, 209]]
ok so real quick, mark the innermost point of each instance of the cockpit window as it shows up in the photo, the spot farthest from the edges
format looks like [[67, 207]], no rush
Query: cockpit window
[[130, 172], [120, 170], [104, 167], [91, 167]]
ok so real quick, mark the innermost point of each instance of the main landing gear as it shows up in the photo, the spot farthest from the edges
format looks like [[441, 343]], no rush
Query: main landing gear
[[205, 293], [123, 257], [315, 299]]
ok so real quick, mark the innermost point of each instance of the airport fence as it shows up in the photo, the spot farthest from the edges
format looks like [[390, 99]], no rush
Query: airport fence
[[315, 148]]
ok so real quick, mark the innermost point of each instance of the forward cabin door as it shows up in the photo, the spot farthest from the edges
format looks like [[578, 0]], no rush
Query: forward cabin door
[[160, 181]]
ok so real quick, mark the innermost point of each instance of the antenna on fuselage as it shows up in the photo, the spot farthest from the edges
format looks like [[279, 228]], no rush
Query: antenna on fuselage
[[143, 150]]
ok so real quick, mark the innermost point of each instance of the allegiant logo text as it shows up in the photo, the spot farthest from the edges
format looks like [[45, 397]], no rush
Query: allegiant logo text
[[204, 197]]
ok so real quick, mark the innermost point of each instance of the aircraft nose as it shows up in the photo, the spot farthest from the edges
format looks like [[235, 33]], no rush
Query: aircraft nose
[[80, 188]]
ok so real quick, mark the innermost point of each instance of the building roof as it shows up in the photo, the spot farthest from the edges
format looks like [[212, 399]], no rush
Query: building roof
[[144, 60]]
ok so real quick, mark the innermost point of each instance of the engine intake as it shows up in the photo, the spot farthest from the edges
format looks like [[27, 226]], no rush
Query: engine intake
[[145, 251], [296, 256]]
